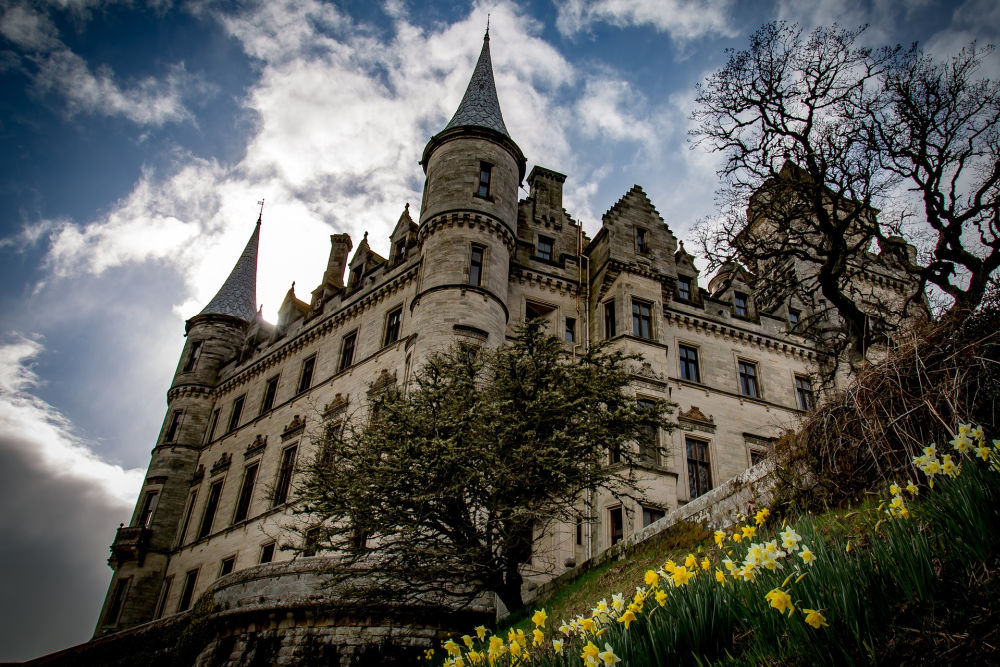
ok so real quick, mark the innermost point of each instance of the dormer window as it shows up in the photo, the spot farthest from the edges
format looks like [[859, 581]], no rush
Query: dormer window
[[485, 175], [793, 318], [684, 288], [740, 304], [400, 251], [544, 248]]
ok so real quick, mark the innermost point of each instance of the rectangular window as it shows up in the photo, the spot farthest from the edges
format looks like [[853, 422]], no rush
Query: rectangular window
[[684, 288], [246, 493], [544, 248], [284, 482], [570, 330], [648, 442], [485, 174], [392, 325], [267, 553], [193, 357], [642, 319], [614, 455], [793, 318], [579, 531], [306, 377], [164, 592], [804, 392], [641, 243], [212, 424], [148, 509], [189, 581], [400, 250], [699, 473], [609, 319], [748, 379], [310, 543], [757, 456], [192, 499], [617, 525], [740, 304], [234, 416], [689, 363], [651, 514], [117, 601], [227, 566], [175, 422], [270, 391], [211, 505], [347, 350], [476, 264]]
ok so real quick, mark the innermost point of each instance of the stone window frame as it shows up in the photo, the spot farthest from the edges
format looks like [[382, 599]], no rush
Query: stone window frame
[[231, 558], [151, 499], [744, 299], [757, 379], [267, 399], [611, 510], [345, 362], [690, 282], [707, 463], [193, 356], [213, 424], [255, 464], [610, 316], [657, 456], [641, 237], [173, 426], [639, 301], [388, 329], [161, 603], [543, 240], [681, 360], [283, 486], [808, 393], [306, 372], [117, 602], [484, 186], [794, 318], [192, 501], [662, 511], [481, 265], [569, 329], [187, 593], [236, 413], [267, 548], [205, 529]]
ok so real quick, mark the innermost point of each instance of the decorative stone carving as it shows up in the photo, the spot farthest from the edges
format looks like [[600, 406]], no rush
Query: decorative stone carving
[[223, 463], [381, 383], [695, 419], [337, 406], [255, 447]]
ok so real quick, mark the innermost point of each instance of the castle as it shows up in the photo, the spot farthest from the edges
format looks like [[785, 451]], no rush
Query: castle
[[477, 261]]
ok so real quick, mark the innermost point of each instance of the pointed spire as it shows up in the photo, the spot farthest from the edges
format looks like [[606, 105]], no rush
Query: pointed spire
[[480, 106], [238, 295]]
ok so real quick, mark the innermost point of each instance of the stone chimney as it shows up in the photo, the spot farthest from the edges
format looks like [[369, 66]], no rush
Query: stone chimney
[[340, 246]]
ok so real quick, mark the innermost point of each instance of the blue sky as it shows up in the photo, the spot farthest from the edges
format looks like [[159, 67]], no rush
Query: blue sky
[[137, 138]]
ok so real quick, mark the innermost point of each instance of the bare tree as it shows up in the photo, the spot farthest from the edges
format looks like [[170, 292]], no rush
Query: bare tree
[[819, 133]]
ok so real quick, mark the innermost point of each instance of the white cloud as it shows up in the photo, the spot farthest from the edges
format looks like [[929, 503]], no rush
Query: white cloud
[[606, 109], [149, 101], [28, 29], [683, 20], [36, 425]]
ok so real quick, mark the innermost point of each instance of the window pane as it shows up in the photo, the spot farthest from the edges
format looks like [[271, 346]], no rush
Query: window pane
[[270, 391], [689, 363], [208, 518], [641, 319], [609, 319], [234, 416], [284, 476], [740, 304], [617, 525], [246, 493], [570, 330], [684, 288], [748, 379], [347, 351], [305, 380], [392, 325], [544, 248], [476, 266]]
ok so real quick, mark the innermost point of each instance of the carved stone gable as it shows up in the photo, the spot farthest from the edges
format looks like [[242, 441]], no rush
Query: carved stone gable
[[294, 427], [694, 419]]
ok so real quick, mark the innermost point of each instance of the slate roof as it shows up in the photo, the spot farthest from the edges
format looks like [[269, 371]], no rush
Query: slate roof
[[480, 106], [238, 295]]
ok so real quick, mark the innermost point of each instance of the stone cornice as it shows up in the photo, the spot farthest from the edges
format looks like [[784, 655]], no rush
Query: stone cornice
[[722, 330], [319, 330], [484, 221], [525, 275]]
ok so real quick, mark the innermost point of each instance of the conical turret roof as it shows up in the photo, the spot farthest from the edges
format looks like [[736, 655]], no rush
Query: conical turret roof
[[480, 106], [238, 295]]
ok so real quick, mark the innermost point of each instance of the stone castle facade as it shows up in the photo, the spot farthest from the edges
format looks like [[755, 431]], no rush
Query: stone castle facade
[[247, 395]]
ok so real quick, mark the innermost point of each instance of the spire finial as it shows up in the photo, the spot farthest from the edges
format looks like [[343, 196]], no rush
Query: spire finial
[[487, 26], [261, 215]]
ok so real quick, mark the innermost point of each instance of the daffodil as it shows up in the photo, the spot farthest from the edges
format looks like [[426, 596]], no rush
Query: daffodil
[[539, 618], [651, 578], [514, 648], [761, 516], [780, 600], [690, 561], [961, 443], [894, 489], [557, 646], [719, 576], [661, 597], [565, 629], [452, 648], [912, 489], [590, 653], [949, 467], [618, 602], [790, 539], [588, 625], [807, 556], [983, 452], [480, 632], [608, 656], [467, 640], [705, 564], [627, 618], [814, 618], [497, 647], [749, 532], [475, 658], [719, 537], [681, 576], [538, 637]]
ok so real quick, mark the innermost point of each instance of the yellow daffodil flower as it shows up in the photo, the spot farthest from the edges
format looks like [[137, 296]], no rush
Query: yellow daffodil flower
[[705, 564], [719, 576], [618, 602], [467, 640], [452, 648], [749, 532], [539, 637], [514, 648], [627, 618], [661, 597], [565, 629], [651, 578], [761, 516], [539, 618], [719, 537], [814, 618], [780, 600], [557, 646], [681, 576], [588, 625], [480, 632], [590, 652], [983, 452], [912, 489], [690, 561], [807, 556], [608, 656]]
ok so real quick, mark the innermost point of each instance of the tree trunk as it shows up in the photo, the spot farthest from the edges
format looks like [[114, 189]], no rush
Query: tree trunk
[[509, 591]]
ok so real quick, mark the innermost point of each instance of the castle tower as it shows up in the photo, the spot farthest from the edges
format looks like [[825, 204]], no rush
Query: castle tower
[[468, 220], [140, 551]]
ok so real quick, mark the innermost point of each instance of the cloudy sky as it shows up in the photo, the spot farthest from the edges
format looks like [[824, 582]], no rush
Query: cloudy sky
[[136, 139]]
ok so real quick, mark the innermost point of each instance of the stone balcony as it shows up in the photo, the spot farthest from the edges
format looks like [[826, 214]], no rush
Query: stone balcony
[[130, 544]]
